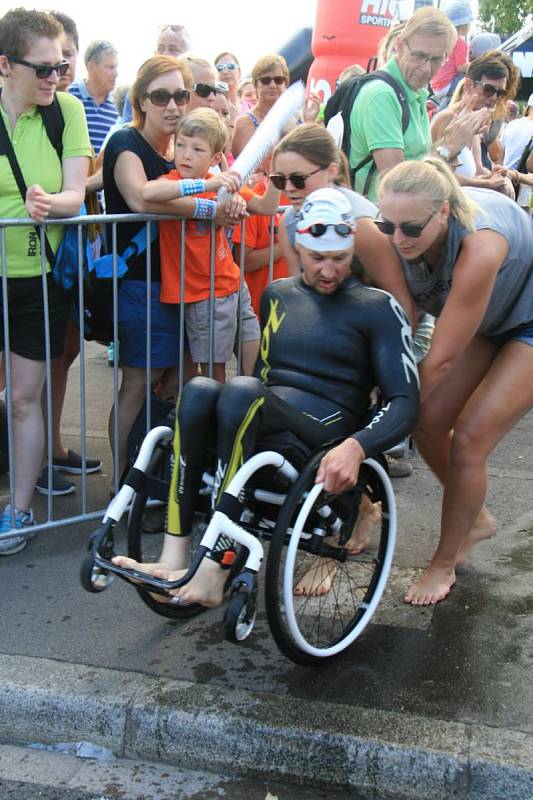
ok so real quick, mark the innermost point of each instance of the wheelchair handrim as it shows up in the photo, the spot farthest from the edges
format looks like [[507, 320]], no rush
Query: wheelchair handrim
[[292, 550]]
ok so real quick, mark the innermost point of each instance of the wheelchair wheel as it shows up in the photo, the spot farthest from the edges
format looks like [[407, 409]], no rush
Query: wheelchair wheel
[[146, 526], [346, 588]]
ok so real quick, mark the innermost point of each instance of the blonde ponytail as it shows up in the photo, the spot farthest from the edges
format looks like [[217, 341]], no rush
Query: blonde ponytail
[[432, 178]]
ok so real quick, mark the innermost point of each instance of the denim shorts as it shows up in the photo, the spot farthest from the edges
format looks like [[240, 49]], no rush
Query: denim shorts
[[522, 333], [165, 326]]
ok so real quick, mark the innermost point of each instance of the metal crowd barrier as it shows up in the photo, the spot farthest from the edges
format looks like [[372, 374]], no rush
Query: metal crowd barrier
[[109, 224]]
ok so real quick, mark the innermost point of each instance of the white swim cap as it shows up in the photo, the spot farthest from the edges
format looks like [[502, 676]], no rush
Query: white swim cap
[[326, 222]]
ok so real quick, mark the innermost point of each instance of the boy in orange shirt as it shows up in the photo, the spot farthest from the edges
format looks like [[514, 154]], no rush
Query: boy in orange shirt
[[257, 239], [200, 140]]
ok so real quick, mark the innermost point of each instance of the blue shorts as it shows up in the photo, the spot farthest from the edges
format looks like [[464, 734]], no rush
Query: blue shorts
[[522, 333], [165, 327]]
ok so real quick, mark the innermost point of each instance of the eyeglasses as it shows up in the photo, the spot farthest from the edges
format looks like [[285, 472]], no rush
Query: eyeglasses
[[320, 228], [297, 179], [99, 47], [230, 66], [204, 89], [42, 70], [266, 80], [409, 229], [489, 90], [423, 58], [162, 97]]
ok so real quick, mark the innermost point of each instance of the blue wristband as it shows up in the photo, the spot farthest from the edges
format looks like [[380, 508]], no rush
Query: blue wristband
[[190, 186], [204, 209]]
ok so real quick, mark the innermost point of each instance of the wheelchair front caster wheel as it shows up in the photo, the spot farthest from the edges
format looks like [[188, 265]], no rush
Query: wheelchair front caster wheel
[[240, 615], [93, 578]]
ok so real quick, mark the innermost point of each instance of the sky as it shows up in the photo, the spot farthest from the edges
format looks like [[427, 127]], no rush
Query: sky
[[249, 28]]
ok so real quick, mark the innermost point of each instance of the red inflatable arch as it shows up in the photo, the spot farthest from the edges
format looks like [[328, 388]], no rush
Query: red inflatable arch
[[346, 32]]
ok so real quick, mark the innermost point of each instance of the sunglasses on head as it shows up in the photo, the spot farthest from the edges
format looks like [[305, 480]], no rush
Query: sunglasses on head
[[42, 70], [409, 229], [320, 228], [266, 80], [230, 66], [204, 89], [162, 97], [297, 179], [489, 90]]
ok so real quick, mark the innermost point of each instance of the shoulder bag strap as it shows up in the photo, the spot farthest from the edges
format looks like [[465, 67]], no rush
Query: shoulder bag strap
[[6, 148]]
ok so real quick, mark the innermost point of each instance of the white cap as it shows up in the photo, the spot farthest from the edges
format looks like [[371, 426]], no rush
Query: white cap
[[329, 207]]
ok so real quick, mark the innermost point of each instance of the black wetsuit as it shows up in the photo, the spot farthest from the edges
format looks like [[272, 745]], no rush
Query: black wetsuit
[[319, 359]]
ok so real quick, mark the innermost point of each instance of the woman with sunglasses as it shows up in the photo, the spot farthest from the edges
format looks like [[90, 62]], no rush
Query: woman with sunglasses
[[133, 156], [467, 257], [490, 80], [308, 159], [270, 77], [229, 72], [30, 67]]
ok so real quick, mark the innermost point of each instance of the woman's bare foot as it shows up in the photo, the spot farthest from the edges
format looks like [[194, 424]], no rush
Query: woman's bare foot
[[317, 580], [206, 587], [432, 587], [369, 515], [483, 528]]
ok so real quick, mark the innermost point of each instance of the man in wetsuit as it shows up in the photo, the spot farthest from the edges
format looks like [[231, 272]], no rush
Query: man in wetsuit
[[327, 340]]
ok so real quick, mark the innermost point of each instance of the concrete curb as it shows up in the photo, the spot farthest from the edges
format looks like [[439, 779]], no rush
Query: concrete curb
[[374, 752]]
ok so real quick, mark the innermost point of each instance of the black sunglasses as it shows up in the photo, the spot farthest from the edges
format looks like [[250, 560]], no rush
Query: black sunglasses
[[409, 229], [204, 89], [265, 80], [296, 178], [489, 90], [162, 97], [42, 70], [319, 229]]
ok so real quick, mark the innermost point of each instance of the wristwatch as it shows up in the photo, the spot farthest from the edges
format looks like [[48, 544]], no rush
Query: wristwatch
[[445, 153]]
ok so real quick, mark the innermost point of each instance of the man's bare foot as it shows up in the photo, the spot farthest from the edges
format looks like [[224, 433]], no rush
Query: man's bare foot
[[369, 515], [432, 587], [206, 587], [317, 580], [483, 528], [174, 556]]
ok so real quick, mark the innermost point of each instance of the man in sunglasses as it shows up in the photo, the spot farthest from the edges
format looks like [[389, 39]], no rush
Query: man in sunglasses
[[95, 91], [326, 341]]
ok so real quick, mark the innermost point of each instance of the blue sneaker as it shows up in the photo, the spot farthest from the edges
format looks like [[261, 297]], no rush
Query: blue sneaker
[[13, 544]]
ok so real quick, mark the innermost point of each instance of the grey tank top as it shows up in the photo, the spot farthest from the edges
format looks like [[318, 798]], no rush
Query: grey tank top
[[511, 302], [361, 208]]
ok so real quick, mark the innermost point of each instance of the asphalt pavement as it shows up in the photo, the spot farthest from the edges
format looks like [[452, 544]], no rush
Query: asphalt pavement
[[430, 702]]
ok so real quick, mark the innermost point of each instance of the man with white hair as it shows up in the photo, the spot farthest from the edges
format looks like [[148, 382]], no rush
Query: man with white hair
[[95, 91]]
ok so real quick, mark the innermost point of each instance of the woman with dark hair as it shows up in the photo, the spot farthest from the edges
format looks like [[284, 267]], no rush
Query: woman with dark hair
[[31, 65]]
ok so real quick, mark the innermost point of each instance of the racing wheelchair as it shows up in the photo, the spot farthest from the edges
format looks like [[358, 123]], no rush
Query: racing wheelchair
[[268, 501]]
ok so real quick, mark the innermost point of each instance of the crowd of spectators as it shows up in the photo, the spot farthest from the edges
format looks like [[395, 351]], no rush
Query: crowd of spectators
[[170, 147]]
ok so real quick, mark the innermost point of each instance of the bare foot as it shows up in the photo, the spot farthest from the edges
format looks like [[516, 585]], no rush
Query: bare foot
[[317, 580], [432, 587], [483, 528], [206, 587], [369, 515], [174, 556]]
